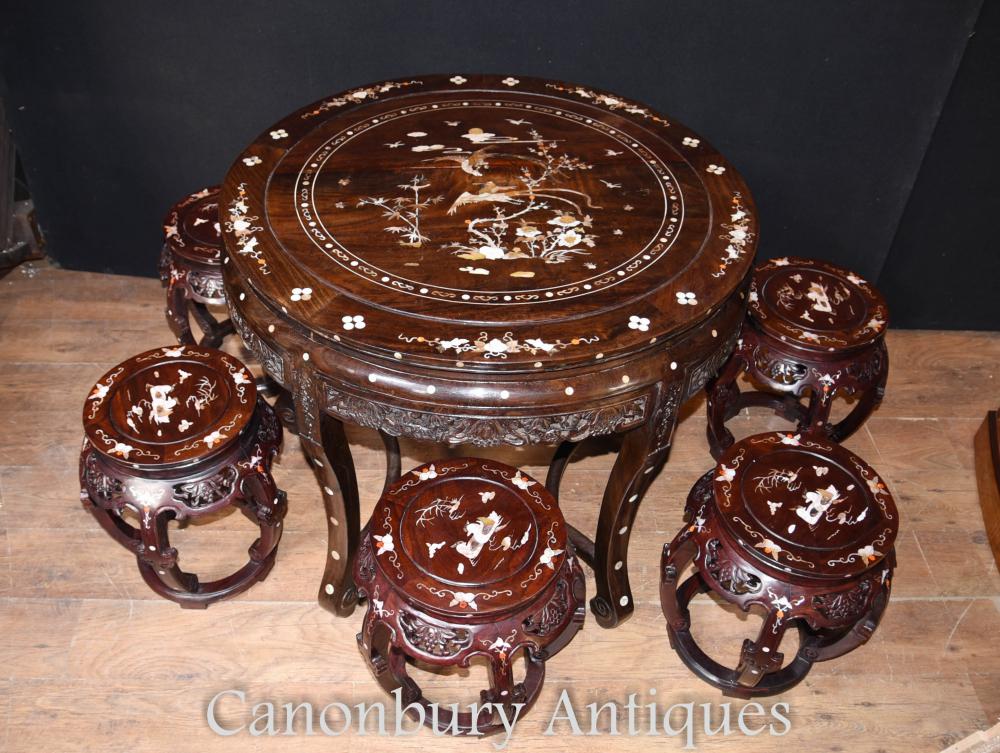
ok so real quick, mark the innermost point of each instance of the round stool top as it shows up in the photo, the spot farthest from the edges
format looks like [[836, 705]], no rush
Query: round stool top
[[816, 305], [191, 227], [169, 406], [805, 505], [468, 537]]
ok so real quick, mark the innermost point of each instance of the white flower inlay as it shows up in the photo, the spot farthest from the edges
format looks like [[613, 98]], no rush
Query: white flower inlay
[[688, 141], [458, 80], [791, 439], [280, 133], [121, 449], [464, 599], [782, 262], [565, 220], [716, 169], [640, 323], [569, 239], [547, 557], [428, 473], [769, 547], [301, 294], [213, 439], [510, 81], [251, 161], [725, 473], [353, 322], [687, 299], [868, 554], [384, 543], [521, 481], [100, 392]]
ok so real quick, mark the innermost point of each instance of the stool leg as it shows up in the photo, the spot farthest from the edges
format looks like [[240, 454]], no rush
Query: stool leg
[[866, 405], [178, 312], [761, 657], [817, 415], [158, 561], [393, 464], [214, 331], [117, 528], [266, 505], [859, 633], [557, 466], [723, 402]]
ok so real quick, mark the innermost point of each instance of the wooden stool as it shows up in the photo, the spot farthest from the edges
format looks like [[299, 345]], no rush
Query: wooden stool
[[797, 526], [191, 268], [466, 559], [178, 433], [811, 328]]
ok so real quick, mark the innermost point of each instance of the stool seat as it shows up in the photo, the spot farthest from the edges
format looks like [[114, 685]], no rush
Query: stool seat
[[178, 433], [191, 267], [804, 506], [813, 331], [797, 527], [191, 228], [815, 305], [473, 541], [170, 406], [467, 559]]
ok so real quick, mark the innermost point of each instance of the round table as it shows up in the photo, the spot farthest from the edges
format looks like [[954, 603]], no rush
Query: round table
[[487, 261]]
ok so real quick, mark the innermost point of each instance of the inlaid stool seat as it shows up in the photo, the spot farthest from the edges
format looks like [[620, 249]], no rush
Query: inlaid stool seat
[[178, 433], [812, 331], [467, 560], [795, 526], [191, 267]]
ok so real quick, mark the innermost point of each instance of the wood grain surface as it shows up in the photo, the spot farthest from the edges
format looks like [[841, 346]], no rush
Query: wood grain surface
[[91, 659]]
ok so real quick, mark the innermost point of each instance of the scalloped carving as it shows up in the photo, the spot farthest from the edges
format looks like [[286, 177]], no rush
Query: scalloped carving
[[485, 432]]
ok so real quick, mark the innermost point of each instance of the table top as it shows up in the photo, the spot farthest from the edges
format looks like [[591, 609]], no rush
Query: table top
[[806, 505], [466, 536], [486, 223], [816, 305]]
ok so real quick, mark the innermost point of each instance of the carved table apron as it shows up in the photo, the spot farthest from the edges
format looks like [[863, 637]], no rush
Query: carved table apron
[[486, 261]]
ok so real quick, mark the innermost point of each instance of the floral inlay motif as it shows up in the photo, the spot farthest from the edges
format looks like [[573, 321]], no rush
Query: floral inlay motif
[[738, 235], [210, 440], [243, 226], [464, 599], [544, 228], [101, 390], [403, 211], [611, 102], [358, 95], [498, 347], [640, 323]]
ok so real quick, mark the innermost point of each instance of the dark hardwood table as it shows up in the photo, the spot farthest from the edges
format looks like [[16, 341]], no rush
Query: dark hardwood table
[[487, 261]]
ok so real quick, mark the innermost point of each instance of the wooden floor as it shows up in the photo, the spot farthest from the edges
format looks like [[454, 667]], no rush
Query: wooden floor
[[91, 660]]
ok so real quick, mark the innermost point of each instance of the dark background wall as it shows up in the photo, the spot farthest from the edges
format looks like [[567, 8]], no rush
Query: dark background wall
[[866, 130]]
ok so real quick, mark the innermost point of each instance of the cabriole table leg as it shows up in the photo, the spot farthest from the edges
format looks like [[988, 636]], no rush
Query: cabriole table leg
[[643, 452], [325, 445]]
